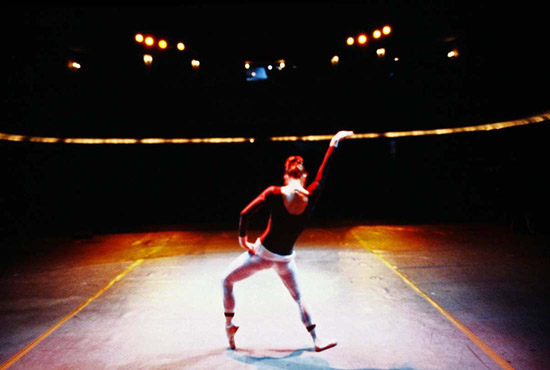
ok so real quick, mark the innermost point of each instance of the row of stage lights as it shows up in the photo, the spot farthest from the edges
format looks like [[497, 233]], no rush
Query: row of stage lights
[[151, 42], [362, 38]]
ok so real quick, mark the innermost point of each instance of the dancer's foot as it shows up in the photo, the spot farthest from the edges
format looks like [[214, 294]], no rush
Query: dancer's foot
[[230, 330], [321, 345]]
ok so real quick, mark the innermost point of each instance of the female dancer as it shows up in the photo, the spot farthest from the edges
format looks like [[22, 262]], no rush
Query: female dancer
[[290, 207]]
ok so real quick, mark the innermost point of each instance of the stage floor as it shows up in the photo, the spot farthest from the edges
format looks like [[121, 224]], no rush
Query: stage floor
[[394, 296]]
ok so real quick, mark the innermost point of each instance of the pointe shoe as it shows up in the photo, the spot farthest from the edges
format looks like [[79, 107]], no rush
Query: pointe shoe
[[321, 345], [230, 331]]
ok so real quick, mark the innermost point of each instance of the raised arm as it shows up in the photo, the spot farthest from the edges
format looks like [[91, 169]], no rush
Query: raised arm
[[322, 172], [340, 135]]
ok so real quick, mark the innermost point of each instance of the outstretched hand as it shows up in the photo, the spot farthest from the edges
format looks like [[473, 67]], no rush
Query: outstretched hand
[[340, 135]]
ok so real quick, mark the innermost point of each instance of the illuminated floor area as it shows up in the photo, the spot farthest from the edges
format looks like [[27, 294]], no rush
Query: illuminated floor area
[[395, 297]]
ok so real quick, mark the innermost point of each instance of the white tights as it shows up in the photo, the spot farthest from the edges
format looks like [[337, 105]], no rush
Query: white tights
[[247, 264]]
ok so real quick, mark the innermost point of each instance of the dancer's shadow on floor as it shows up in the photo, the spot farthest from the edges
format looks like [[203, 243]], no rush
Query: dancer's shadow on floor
[[292, 360]]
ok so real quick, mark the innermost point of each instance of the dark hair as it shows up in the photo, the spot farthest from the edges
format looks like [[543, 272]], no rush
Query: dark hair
[[294, 166]]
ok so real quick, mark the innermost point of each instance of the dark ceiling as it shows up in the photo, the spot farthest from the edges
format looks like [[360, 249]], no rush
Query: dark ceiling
[[498, 74]]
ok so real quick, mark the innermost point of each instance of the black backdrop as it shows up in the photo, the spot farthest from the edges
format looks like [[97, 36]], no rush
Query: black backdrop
[[486, 176], [496, 176]]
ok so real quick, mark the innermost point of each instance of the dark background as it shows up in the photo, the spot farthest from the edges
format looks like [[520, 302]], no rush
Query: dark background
[[500, 74]]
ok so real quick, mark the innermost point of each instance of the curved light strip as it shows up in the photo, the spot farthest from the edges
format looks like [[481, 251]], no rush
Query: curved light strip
[[83, 140], [441, 131], [225, 140]]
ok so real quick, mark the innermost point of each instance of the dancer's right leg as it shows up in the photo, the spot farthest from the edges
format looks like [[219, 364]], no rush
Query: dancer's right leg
[[242, 267]]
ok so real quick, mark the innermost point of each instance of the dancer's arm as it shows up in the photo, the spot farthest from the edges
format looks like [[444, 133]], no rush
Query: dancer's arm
[[340, 135], [323, 169], [247, 213]]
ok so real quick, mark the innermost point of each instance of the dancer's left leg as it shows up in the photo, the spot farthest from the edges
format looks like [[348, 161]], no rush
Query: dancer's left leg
[[288, 273]]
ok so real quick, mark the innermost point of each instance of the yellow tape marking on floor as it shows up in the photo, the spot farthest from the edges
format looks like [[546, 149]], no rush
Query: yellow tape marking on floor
[[46, 334], [475, 339]]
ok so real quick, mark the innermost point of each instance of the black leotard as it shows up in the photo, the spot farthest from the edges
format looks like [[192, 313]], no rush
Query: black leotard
[[284, 228]]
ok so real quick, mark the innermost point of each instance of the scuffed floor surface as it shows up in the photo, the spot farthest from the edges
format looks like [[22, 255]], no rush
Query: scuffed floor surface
[[153, 300]]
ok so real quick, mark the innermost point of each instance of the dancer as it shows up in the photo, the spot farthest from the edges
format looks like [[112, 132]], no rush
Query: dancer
[[290, 207]]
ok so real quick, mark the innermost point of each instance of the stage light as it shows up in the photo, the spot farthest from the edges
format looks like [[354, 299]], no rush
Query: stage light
[[381, 52], [147, 59], [73, 65], [350, 41], [376, 34], [163, 44], [386, 30], [452, 54], [246, 65], [8, 137], [44, 139], [270, 67], [362, 39], [335, 60], [181, 46], [195, 64], [149, 41], [138, 37]]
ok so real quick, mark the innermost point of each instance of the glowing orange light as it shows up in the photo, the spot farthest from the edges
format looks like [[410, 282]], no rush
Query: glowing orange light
[[452, 54], [181, 46], [163, 44], [147, 59], [362, 39], [335, 59], [386, 30], [9, 137], [195, 64], [376, 34], [350, 41], [541, 118], [149, 41], [73, 65], [139, 37]]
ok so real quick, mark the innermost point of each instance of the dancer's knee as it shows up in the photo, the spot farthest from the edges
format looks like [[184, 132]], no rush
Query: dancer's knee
[[227, 284], [292, 287]]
